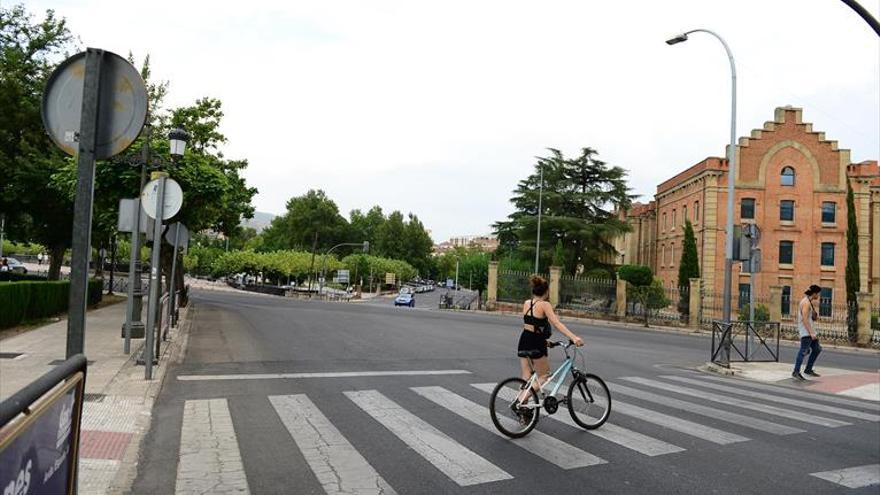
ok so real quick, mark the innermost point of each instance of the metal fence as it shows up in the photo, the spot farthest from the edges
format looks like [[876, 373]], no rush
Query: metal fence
[[514, 286], [832, 325], [664, 305], [588, 295], [745, 341]]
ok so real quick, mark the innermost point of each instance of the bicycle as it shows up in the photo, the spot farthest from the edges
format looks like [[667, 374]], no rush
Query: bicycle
[[515, 404]]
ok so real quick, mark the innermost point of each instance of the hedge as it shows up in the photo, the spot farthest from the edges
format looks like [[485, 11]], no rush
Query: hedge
[[30, 300]]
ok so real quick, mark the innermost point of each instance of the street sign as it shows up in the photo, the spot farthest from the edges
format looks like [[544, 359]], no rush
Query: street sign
[[173, 198], [126, 219], [389, 278], [122, 105], [342, 276]]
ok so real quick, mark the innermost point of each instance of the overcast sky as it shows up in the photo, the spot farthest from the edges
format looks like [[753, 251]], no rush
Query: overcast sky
[[439, 108]]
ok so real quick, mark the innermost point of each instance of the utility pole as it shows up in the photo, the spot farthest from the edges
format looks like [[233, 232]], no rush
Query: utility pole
[[312, 268], [2, 231], [540, 205]]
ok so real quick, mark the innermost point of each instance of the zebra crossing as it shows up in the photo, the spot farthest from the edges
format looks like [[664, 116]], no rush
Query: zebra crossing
[[210, 459]]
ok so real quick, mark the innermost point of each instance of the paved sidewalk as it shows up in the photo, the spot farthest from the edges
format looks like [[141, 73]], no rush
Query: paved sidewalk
[[858, 384], [119, 401]]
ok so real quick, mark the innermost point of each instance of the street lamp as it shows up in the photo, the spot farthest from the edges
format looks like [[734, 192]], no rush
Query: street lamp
[[540, 197], [177, 144], [731, 167], [177, 139]]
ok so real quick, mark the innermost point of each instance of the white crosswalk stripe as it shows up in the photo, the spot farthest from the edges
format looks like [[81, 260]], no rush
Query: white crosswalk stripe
[[854, 477], [775, 398], [744, 404], [711, 412], [210, 461], [804, 394], [548, 448], [337, 465], [454, 460], [624, 437]]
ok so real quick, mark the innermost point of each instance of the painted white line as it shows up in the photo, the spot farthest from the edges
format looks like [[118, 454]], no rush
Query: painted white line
[[854, 477], [453, 459], [341, 374], [624, 437], [803, 393], [782, 400], [711, 412], [744, 404], [334, 461], [548, 448], [210, 461]]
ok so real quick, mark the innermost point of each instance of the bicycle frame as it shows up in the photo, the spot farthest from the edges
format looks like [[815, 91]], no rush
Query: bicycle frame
[[560, 373]]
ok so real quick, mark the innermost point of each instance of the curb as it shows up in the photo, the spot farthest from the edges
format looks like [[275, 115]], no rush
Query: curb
[[174, 353]]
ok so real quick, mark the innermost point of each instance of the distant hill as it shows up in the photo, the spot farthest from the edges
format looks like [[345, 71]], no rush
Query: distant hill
[[260, 221]]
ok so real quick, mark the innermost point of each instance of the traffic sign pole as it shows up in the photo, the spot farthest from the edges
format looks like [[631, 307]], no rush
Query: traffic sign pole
[[171, 284], [155, 279], [82, 212]]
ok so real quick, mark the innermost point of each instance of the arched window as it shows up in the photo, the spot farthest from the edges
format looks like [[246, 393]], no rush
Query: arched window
[[787, 176]]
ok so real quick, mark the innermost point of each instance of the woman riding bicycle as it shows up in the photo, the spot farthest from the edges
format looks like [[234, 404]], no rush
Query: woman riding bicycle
[[538, 315]]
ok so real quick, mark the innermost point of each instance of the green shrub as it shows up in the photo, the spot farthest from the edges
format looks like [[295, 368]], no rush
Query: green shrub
[[30, 300], [761, 313]]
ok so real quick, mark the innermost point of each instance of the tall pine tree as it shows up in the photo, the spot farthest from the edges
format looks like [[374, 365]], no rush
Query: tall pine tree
[[688, 268], [852, 264]]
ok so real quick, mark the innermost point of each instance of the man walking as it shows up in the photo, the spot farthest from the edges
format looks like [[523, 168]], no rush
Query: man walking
[[806, 318]]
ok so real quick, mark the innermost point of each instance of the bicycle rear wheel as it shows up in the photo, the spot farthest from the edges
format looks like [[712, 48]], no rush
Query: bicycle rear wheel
[[589, 401], [511, 416]]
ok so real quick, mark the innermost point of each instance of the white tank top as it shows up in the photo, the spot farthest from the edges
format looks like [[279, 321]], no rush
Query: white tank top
[[802, 329]]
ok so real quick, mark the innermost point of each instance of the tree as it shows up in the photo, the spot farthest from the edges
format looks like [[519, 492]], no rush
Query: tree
[[417, 245], [578, 200], [644, 288], [34, 209], [852, 265], [688, 268], [475, 269], [390, 239], [307, 215]]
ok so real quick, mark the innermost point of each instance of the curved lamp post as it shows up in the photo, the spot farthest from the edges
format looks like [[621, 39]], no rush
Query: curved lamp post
[[365, 245], [731, 166]]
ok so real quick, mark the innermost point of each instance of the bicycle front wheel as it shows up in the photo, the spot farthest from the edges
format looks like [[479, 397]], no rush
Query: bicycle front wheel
[[589, 401], [514, 409]]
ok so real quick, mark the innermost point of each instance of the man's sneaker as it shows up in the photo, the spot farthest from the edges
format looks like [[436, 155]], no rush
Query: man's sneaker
[[812, 373], [797, 376]]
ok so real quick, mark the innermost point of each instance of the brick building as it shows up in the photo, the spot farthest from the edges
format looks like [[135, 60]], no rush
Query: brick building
[[791, 182]]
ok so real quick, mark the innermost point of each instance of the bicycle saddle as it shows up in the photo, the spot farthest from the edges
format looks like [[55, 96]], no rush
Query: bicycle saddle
[[531, 353]]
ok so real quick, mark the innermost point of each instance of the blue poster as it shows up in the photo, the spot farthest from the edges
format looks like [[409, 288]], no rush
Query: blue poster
[[39, 459]]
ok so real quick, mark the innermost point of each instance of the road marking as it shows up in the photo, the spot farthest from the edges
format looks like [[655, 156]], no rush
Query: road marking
[[624, 437], [733, 401], [341, 374], [540, 444], [210, 461], [730, 417], [782, 400], [334, 461], [455, 460], [803, 393], [854, 477]]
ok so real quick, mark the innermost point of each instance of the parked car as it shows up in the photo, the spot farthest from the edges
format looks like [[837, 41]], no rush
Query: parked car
[[405, 299], [16, 266]]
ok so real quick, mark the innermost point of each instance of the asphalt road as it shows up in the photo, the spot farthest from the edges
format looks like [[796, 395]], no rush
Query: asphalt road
[[304, 432]]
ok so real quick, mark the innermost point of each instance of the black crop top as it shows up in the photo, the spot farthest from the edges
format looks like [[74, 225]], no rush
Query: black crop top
[[542, 325]]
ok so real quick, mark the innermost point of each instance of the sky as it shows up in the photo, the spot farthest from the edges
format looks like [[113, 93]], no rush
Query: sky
[[440, 108]]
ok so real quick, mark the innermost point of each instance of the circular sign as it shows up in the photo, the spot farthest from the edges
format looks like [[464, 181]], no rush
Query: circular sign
[[173, 198], [182, 234], [122, 107]]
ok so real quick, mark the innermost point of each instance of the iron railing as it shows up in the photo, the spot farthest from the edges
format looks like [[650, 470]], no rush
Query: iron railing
[[749, 340], [588, 295]]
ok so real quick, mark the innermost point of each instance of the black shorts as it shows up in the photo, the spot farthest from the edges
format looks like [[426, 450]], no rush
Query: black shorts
[[531, 341]]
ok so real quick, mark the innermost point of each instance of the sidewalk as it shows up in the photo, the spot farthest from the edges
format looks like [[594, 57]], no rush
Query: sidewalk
[[858, 384], [119, 401]]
